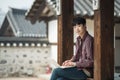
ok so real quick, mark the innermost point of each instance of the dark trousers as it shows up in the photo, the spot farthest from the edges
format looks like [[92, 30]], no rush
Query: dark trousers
[[68, 74]]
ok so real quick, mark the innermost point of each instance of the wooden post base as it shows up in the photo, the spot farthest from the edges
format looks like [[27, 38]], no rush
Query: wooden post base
[[90, 79]]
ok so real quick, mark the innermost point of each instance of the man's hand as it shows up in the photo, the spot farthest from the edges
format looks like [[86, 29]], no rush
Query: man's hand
[[69, 63], [66, 62]]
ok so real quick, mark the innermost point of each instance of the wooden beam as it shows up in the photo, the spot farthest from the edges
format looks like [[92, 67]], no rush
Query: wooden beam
[[117, 37], [104, 41], [39, 5], [65, 31]]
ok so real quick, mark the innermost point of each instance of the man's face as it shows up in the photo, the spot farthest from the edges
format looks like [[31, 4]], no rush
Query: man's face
[[79, 29]]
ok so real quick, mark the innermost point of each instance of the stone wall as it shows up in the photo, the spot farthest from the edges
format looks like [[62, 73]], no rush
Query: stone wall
[[23, 61]]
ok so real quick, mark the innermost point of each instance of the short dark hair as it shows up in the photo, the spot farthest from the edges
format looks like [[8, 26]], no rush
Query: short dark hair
[[78, 20]]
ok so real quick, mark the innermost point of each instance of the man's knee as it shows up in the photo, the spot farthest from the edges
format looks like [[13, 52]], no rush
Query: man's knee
[[57, 70]]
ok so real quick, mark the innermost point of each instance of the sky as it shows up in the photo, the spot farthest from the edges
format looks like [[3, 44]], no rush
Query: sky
[[5, 5]]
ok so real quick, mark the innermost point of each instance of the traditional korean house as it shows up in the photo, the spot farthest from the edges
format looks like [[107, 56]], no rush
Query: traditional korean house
[[24, 47], [82, 8]]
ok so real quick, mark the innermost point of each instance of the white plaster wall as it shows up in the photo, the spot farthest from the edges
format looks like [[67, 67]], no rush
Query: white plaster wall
[[117, 30], [52, 36], [117, 52], [52, 31], [90, 26], [54, 52], [117, 45]]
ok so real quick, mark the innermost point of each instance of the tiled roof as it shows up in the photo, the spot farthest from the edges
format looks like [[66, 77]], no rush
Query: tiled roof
[[22, 27], [81, 8], [85, 7], [40, 11]]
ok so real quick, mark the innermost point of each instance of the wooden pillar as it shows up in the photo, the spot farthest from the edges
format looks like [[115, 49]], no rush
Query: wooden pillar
[[104, 41], [65, 31]]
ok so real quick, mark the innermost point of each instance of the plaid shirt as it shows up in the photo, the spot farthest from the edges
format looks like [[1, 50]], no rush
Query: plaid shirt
[[84, 52]]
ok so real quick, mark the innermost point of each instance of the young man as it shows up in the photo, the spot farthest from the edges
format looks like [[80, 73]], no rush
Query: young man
[[80, 66]]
